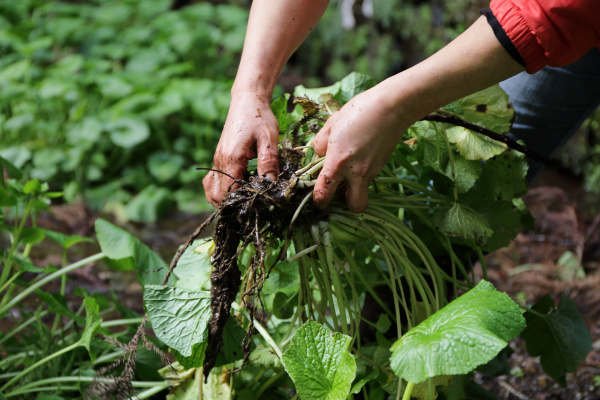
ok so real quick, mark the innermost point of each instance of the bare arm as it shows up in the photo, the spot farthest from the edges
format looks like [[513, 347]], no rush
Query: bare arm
[[275, 30], [359, 138]]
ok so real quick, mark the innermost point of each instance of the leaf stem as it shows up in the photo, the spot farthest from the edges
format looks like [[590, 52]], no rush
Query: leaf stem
[[49, 278], [263, 332], [37, 364], [408, 390]]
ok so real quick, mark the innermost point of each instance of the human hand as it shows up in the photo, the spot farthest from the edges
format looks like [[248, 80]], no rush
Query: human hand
[[357, 141], [250, 131]]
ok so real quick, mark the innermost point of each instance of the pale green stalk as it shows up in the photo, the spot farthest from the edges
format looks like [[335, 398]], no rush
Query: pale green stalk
[[408, 391], [24, 325], [37, 364], [26, 292], [263, 332]]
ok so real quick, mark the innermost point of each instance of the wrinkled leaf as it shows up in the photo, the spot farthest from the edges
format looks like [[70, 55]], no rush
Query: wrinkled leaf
[[194, 267], [473, 145], [503, 177], [179, 318], [463, 222], [468, 332], [558, 335], [319, 363]]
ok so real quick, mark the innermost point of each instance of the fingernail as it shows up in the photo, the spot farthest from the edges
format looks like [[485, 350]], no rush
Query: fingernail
[[272, 177]]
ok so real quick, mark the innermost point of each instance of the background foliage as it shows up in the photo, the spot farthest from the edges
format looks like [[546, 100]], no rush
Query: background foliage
[[117, 102]]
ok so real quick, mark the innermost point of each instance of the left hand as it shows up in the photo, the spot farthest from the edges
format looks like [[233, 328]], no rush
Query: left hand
[[357, 141]]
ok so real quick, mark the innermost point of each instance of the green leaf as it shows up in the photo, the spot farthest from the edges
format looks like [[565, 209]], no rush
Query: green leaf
[[283, 305], [150, 204], [430, 147], [6, 200], [26, 265], [32, 187], [357, 387], [231, 350], [164, 166], [466, 172], [92, 324], [503, 218], [66, 241], [461, 221], [489, 108], [32, 235], [558, 335], [179, 318], [279, 109], [194, 267], [265, 358], [473, 145], [125, 252], [468, 332], [319, 363], [503, 177], [12, 170], [128, 132], [314, 94], [57, 304], [353, 84]]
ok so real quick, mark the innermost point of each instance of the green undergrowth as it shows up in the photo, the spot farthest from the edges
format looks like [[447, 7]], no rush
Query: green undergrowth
[[363, 302], [117, 101], [381, 304]]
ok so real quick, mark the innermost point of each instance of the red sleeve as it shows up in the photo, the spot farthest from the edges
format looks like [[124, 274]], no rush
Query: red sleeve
[[549, 32]]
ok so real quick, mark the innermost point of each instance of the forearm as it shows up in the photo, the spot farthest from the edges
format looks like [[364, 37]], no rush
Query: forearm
[[275, 30], [472, 62]]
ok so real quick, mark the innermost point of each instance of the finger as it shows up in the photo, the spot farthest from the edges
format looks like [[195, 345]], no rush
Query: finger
[[321, 139], [233, 167], [267, 157], [325, 187], [207, 182], [357, 195], [211, 189]]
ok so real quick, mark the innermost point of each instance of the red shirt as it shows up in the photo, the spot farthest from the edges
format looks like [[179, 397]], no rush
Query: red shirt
[[549, 32]]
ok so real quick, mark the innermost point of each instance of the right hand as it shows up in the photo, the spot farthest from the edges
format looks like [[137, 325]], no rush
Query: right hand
[[250, 131]]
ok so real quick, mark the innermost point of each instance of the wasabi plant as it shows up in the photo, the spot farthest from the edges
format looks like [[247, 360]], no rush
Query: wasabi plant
[[302, 278]]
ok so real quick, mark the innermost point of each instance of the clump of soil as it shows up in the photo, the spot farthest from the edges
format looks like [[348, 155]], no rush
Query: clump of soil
[[243, 216]]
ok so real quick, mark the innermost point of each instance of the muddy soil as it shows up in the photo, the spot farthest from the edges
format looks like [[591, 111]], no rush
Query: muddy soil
[[535, 264]]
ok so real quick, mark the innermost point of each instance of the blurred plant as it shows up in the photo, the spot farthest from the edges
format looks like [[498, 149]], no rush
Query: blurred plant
[[114, 97], [46, 342], [380, 37]]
